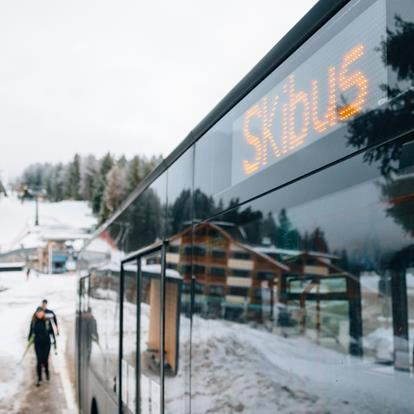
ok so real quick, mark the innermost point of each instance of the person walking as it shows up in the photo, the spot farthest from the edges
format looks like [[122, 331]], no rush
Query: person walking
[[40, 332], [50, 315]]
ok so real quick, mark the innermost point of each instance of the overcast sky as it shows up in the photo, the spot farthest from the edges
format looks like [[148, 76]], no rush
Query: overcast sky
[[125, 76]]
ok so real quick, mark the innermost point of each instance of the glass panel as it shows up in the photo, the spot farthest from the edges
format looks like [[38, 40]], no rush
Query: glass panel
[[144, 221], [103, 324], [84, 328], [179, 194], [150, 334], [129, 360], [310, 309], [178, 324], [349, 86]]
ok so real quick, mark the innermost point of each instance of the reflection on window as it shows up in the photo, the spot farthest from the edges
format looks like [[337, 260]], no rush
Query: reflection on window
[[177, 331], [129, 363], [315, 301], [103, 321]]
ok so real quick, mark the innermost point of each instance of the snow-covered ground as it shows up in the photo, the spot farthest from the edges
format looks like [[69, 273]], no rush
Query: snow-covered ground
[[18, 300], [237, 368], [17, 218]]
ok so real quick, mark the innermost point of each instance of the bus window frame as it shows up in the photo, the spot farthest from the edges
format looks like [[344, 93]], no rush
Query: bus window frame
[[135, 257]]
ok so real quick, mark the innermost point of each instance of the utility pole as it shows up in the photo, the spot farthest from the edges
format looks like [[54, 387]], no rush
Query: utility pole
[[37, 210]]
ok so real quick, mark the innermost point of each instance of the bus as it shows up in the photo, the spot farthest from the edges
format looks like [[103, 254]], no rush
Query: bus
[[267, 264]]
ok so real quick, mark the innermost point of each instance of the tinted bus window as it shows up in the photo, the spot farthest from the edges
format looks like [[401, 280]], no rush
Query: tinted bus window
[[178, 285], [179, 194], [350, 75], [130, 335], [144, 221], [104, 325], [323, 322]]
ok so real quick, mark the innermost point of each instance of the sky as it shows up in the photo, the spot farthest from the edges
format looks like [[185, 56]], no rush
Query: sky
[[125, 76]]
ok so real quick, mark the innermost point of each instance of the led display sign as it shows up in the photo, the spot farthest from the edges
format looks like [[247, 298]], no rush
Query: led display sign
[[339, 82]]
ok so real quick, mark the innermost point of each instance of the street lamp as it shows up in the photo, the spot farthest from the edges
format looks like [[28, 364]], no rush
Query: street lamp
[[37, 210]]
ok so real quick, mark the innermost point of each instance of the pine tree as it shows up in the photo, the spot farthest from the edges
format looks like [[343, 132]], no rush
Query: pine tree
[[287, 237], [122, 161], [115, 190], [89, 169], [318, 242], [269, 228], [57, 183], [73, 179], [2, 189], [134, 173], [98, 205], [180, 211], [149, 164]]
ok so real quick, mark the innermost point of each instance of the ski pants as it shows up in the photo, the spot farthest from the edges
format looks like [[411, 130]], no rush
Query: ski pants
[[42, 349]]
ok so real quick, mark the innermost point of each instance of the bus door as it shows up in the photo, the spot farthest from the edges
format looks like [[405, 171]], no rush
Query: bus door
[[142, 327]]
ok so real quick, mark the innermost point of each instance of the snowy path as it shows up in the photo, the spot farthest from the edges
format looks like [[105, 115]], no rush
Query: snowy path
[[17, 303]]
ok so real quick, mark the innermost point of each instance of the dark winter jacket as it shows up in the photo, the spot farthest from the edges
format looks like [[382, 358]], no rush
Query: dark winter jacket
[[42, 331]]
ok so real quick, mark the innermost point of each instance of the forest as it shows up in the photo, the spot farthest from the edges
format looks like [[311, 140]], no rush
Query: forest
[[105, 182]]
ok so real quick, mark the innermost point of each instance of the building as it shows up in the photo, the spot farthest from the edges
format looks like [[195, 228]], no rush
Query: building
[[47, 249]]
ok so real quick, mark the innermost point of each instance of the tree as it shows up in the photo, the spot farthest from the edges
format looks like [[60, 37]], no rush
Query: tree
[[98, 206], [115, 190], [33, 176], [57, 183], [318, 242], [86, 178], [380, 124], [122, 161], [287, 237], [269, 230], [73, 179], [134, 173], [2, 189], [203, 205], [149, 164], [143, 221], [180, 212]]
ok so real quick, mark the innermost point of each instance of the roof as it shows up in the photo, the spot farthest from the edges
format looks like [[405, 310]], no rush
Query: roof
[[9, 265]]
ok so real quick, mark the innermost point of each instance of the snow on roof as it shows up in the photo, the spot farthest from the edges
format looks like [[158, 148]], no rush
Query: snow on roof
[[6, 265], [63, 236], [149, 268], [290, 252], [156, 269]]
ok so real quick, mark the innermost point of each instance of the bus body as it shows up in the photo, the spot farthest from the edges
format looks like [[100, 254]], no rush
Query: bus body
[[271, 255]]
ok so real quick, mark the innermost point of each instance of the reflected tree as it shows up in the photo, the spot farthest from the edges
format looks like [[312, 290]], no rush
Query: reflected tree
[[399, 196], [203, 205], [287, 237], [179, 213], [382, 123], [145, 219], [315, 241]]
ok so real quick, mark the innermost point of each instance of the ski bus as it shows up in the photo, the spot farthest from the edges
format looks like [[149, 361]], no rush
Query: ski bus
[[267, 264]]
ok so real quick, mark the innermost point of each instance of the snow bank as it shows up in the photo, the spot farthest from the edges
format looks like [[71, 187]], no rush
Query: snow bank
[[237, 368]]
